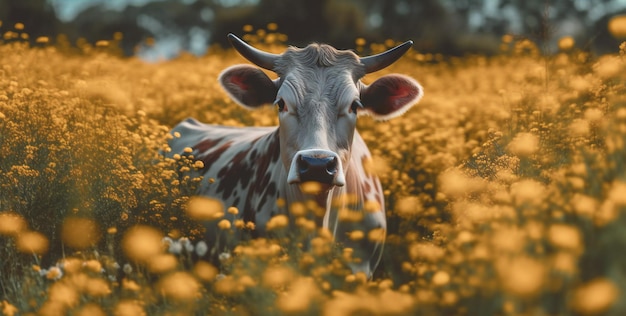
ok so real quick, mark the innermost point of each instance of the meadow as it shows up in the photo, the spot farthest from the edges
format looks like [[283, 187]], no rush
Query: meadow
[[505, 189]]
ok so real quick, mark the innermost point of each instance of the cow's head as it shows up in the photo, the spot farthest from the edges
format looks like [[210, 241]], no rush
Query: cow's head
[[318, 96]]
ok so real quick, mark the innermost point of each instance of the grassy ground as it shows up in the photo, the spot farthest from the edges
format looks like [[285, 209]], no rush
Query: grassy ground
[[506, 191]]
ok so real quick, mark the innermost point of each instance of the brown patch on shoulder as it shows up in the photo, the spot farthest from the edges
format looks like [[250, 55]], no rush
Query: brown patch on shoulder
[[237, 170], [207, 144], [271, 156], [214, 155]]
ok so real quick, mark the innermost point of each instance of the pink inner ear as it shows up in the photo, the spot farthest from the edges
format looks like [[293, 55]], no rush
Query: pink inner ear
[[239, 81], [402, 92]]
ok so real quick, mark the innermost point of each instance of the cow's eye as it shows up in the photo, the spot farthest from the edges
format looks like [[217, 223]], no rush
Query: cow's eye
[[356, 105], [280, 104]]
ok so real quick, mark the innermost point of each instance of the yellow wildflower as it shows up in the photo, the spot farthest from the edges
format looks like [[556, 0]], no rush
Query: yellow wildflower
[[224, 224]]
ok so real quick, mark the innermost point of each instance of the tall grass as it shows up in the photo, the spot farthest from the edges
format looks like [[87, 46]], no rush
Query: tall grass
[[505, 187]]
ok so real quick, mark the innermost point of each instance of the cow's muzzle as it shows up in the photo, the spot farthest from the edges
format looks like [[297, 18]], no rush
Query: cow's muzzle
[[317, 165]]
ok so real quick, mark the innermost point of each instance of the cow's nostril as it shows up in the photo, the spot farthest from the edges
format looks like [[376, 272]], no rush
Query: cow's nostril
[[303, 164], [331, 166]]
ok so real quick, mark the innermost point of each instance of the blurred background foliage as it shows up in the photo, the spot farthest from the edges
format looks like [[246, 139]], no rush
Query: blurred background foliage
[[156, 29]]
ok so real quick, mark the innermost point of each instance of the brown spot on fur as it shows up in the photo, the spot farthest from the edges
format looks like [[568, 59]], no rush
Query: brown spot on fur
[[272, 155], [207, 144], [214, 155], [236, 171]]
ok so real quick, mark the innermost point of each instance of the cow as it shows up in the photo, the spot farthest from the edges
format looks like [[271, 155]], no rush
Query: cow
[[318, 95]]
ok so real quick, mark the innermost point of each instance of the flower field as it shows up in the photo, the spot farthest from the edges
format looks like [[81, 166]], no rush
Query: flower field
[[505, 189]]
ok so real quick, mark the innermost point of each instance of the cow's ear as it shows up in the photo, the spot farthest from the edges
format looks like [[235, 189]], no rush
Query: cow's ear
[[248, 86], [390, 96]]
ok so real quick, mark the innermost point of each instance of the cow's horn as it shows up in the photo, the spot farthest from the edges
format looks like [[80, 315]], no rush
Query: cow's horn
[[384, 59], [256, 56]]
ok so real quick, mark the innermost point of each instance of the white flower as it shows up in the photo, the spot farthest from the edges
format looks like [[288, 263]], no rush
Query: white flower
[[186, 244], [174, 246], [201, 248], [128, 269], [224, 256]]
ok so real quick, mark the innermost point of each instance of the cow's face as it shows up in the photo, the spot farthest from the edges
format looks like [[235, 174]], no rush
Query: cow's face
[[318, 97]]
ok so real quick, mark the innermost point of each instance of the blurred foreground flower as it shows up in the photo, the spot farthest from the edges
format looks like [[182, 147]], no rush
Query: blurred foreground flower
[[11, 224], [524, 144], [523, 277], [455, 183], [617, 26], [204, 208], [595, 297], [8, 309], [32, 242], [566, 43], [140, 243], [80, 233], [299, 297], [129, 308], [179, 286]]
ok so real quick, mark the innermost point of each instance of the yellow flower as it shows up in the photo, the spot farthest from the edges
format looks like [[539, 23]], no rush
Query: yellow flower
[[32, 242], [205, 271], [299, 298], [595, 297], [97, 287], [277, 222], [275, 277], [376, 235], [566, 43], [233, 210], [239, 224], [140, 243], [129, 308], [522, 277], [566, 237], [250, 225], [224, 224], [11, 224], [179, 286], [372, 206], [356, 235], [310, 187], [162, 263], [90, 309], [441, 278], [617, 26], [8, 309], [130, 285], [524, 144], [205, 208]]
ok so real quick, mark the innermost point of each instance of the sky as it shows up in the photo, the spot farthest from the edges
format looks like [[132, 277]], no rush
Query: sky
[[168, 47], [67, 9]]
